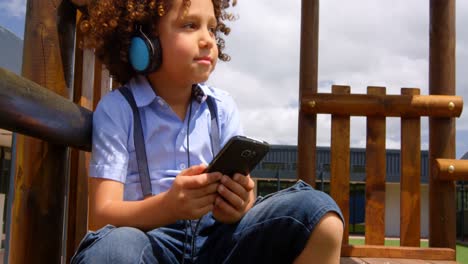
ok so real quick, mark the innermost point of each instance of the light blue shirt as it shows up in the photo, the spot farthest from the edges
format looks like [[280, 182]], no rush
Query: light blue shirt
[[113, 154]]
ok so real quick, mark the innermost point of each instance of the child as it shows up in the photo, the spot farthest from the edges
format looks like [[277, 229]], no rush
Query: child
[[189, 216]]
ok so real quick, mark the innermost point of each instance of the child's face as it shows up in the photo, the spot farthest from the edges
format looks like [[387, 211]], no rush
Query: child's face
[[188, 42]]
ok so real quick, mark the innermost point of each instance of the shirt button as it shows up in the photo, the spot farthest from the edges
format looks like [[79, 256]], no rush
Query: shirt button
[[182, 166], [182, 131], [160, 102]]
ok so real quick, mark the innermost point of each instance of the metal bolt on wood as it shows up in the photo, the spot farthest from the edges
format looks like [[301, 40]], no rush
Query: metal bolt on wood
[[451, 106], [451, 169]]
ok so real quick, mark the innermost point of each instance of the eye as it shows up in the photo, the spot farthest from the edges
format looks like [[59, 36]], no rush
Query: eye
[[189, 25], [212, 30]]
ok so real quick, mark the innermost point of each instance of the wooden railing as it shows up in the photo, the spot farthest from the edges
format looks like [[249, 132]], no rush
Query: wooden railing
[[410, 106]]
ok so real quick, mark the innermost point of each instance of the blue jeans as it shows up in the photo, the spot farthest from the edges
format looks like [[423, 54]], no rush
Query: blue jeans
[[275, 230]]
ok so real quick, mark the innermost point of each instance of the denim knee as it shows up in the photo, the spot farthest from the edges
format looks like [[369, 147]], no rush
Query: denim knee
[[301, 202], [113, 245]]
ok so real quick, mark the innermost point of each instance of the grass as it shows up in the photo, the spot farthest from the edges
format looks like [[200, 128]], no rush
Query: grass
[[462, 250]]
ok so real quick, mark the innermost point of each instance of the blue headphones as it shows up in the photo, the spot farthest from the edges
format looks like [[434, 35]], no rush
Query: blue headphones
[[144, 54]]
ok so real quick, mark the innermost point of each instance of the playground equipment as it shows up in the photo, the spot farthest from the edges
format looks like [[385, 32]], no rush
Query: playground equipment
[[52, 104]]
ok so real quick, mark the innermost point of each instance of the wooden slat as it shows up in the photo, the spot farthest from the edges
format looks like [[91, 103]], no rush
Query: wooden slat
[[105, 81], [340, 161], [308, 82], [101, 82], [442, 205], [410, 175], [383, 105], [353, 260], [451, 170], [369, 251], [375, 176], [40, 169], [79, 161], [404, 261]]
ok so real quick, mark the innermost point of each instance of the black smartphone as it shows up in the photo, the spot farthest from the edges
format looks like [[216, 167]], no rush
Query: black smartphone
[[240, 155]]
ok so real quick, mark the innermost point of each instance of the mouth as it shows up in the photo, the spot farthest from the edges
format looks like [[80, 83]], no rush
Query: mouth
[[204, 60]]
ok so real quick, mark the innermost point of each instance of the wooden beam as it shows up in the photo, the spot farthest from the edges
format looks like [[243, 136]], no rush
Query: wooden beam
[[451, 170], [398, 252], [382, 105], [442, 204], [308, 82], [30, 109]]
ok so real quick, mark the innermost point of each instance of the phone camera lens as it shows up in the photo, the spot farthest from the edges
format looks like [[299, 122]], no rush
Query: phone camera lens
[[246, 153]]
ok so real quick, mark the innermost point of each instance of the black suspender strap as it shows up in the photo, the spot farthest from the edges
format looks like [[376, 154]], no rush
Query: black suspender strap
[[138, 139], [215, 142]]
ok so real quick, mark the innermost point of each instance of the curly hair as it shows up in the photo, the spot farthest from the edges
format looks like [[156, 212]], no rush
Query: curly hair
[[108, 25]]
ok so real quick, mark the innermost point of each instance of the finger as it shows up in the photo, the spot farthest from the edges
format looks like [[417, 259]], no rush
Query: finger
[[203, 211], [235, 187], [204, 201], [193, 170], [201, 180], [230, 197], [244, 180], [206, 190], [226, 208]]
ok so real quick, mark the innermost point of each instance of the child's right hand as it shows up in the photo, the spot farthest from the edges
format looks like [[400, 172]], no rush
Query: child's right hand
[[193, 193]]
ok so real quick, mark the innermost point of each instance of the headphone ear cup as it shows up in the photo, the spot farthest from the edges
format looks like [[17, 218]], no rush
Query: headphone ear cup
[[144, 54], [139, 54]]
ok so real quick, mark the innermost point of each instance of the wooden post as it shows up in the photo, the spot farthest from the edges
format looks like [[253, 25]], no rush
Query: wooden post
[[308, 81], [442, 226], [410, 178], [340, 161], [38, 205], [375, 175], [77, 225]]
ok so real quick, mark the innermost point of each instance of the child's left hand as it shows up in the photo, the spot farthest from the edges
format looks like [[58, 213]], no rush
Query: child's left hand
[[235, 198]]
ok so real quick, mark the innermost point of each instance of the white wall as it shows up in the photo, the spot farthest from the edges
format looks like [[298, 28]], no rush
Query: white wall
[[392, 210]]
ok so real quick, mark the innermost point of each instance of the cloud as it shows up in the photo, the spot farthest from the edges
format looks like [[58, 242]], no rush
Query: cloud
[[13, 8], [374, 43]]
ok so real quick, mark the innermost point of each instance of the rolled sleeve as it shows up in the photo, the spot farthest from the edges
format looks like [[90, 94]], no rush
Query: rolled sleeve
[[109, 158]]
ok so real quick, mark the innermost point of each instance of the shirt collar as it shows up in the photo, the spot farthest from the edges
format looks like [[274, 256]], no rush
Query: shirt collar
[[144, 93]]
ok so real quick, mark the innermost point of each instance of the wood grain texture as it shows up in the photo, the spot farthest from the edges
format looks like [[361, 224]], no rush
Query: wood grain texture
[[451, 170], [442, 222], [375, 176], [369, 251], [77, 225], [308, 82], [38, 205], [410, 177], [383, 105], [340, 161]]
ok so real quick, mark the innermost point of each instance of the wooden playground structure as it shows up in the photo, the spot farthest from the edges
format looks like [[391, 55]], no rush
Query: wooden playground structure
[[50, 107]]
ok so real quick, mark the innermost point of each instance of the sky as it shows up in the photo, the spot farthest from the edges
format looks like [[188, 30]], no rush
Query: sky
[[362, 43]]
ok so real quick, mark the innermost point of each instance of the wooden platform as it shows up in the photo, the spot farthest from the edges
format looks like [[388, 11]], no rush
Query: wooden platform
[[392, 261]]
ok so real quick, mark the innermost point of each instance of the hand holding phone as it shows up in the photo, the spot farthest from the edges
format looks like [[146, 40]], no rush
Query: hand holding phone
[[240, 155]]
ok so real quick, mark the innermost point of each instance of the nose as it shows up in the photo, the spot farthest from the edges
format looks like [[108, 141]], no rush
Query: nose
[[207, 38]]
